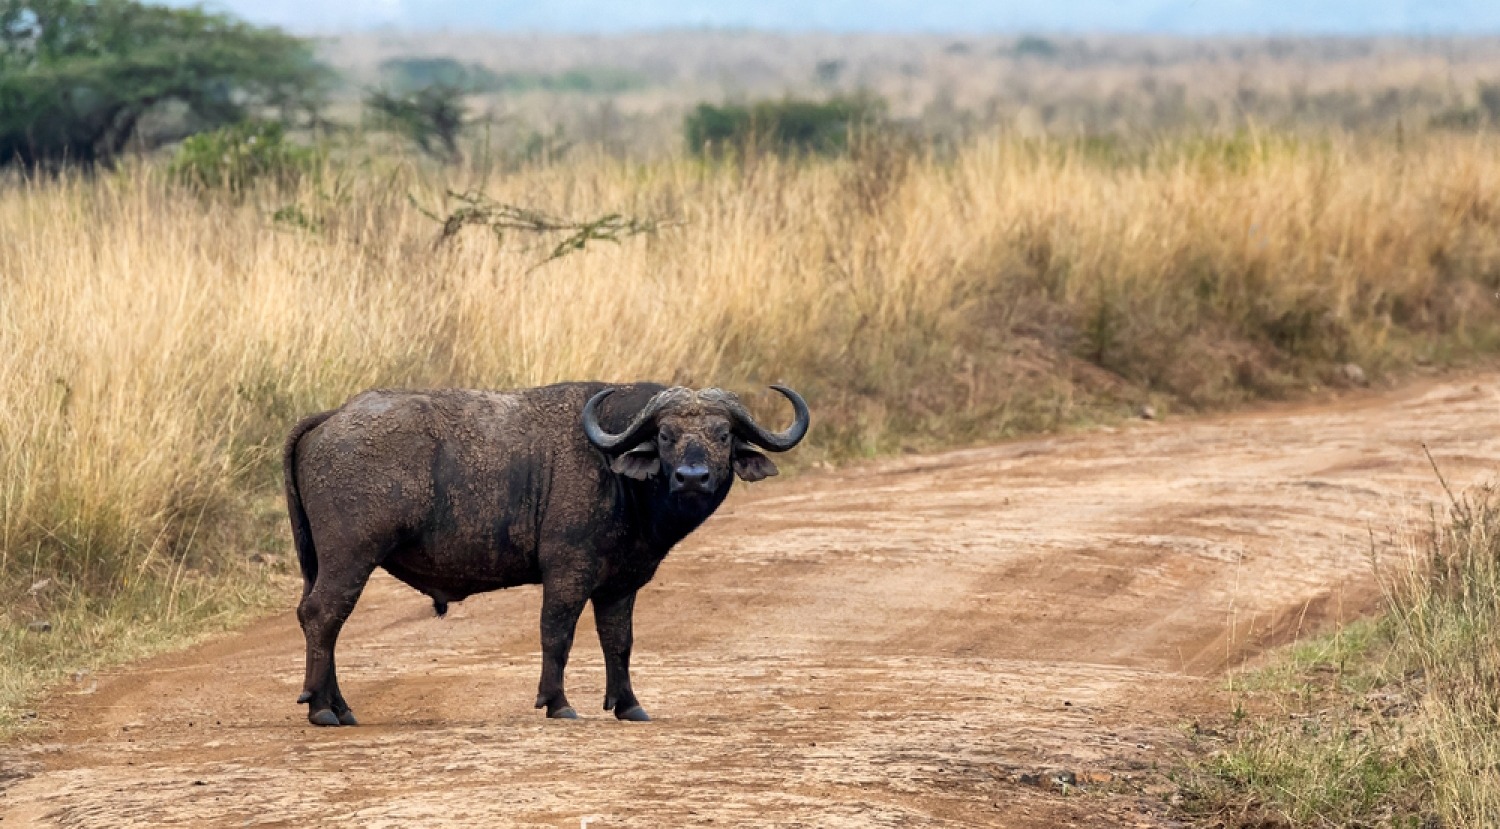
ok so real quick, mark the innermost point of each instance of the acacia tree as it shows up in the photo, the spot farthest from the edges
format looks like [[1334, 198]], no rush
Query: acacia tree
[[76, 76], [432, 116]]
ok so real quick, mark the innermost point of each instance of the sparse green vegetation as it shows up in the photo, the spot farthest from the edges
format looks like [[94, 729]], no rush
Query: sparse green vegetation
[[1389, 722], [234, 158], [789, 126], [59, 628]]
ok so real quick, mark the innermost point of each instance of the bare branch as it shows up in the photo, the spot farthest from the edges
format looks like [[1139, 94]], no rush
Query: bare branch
[[477, 209]]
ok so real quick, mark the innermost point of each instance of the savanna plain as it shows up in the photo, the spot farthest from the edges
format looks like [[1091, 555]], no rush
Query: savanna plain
[[1031, 291]]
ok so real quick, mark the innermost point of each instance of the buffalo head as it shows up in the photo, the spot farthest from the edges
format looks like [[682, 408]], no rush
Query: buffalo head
[[694, 438]]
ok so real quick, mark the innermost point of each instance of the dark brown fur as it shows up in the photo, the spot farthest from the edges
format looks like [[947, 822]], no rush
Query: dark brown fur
[[457, 492]]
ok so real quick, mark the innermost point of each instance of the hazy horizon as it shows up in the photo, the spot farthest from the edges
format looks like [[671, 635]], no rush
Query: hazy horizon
[[1169, 17]]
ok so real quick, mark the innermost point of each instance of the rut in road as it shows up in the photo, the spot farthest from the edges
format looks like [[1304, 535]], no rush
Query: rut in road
[[893, 644]]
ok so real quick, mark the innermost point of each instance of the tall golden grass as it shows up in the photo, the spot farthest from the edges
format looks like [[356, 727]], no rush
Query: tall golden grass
[[155, 344], [1445, 621]]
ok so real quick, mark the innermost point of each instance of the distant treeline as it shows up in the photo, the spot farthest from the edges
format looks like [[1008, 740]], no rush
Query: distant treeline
[[407, 74]]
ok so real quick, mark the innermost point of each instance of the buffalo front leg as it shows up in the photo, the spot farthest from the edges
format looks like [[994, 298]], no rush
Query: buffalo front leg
[[322, 613], [613, 619], [562, 603]]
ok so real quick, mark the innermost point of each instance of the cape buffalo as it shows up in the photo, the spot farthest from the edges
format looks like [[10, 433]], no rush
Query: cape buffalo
[[580, 487]]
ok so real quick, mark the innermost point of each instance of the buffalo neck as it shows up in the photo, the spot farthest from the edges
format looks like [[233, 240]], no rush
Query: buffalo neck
[[664, 518]]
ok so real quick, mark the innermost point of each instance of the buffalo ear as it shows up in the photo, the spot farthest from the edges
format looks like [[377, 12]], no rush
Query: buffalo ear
[[750, 464], [640, 463]]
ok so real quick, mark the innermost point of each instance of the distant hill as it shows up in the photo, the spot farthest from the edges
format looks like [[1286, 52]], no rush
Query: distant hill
[[1187, 17]]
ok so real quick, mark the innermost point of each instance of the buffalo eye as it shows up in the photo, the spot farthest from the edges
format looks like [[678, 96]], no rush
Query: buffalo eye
[[722, 434], [667, 435]]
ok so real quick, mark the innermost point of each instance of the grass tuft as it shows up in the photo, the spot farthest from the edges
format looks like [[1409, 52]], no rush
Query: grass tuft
[[1387, 723]]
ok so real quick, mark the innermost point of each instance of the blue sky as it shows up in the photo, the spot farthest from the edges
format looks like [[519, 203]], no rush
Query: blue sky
[[1164, 16]]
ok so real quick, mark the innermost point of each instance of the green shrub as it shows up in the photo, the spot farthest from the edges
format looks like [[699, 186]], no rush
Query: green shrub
[[788, 126], [588, 80], [1035, 47], [234, 158]]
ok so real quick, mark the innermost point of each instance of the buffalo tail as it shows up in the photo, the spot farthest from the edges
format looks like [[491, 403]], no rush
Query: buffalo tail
[[307, 554]]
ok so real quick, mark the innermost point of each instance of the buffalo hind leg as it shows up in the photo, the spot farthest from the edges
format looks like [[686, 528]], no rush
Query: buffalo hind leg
[[562, 603], [322, 614], [613, 620]]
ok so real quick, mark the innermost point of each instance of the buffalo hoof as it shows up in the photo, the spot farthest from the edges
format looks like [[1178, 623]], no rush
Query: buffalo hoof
[[564, 713], [634, 714], [304, 697], [323, 717], [347, 718]]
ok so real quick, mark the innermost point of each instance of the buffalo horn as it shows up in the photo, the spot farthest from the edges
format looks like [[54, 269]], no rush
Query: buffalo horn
[[633, 433], [774, 441]]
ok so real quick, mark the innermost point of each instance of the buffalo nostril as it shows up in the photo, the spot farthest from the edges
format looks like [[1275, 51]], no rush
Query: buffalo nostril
[[692, 477]]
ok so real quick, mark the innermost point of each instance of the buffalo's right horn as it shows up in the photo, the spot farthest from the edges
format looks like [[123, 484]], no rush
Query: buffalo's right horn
[[606, 442], [774, 441]]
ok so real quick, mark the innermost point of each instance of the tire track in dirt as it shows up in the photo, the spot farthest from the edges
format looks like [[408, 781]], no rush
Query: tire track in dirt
[[893, 644]]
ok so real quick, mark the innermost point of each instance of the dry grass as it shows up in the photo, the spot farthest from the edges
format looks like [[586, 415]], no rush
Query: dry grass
[[1447, 628], [1389, 722], [155, 345]]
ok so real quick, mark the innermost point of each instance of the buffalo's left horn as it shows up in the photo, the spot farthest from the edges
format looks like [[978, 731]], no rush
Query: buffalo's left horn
[[774, 441], [633, 433]]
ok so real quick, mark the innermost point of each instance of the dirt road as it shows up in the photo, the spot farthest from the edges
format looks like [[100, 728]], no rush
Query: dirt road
[[897, 644]]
